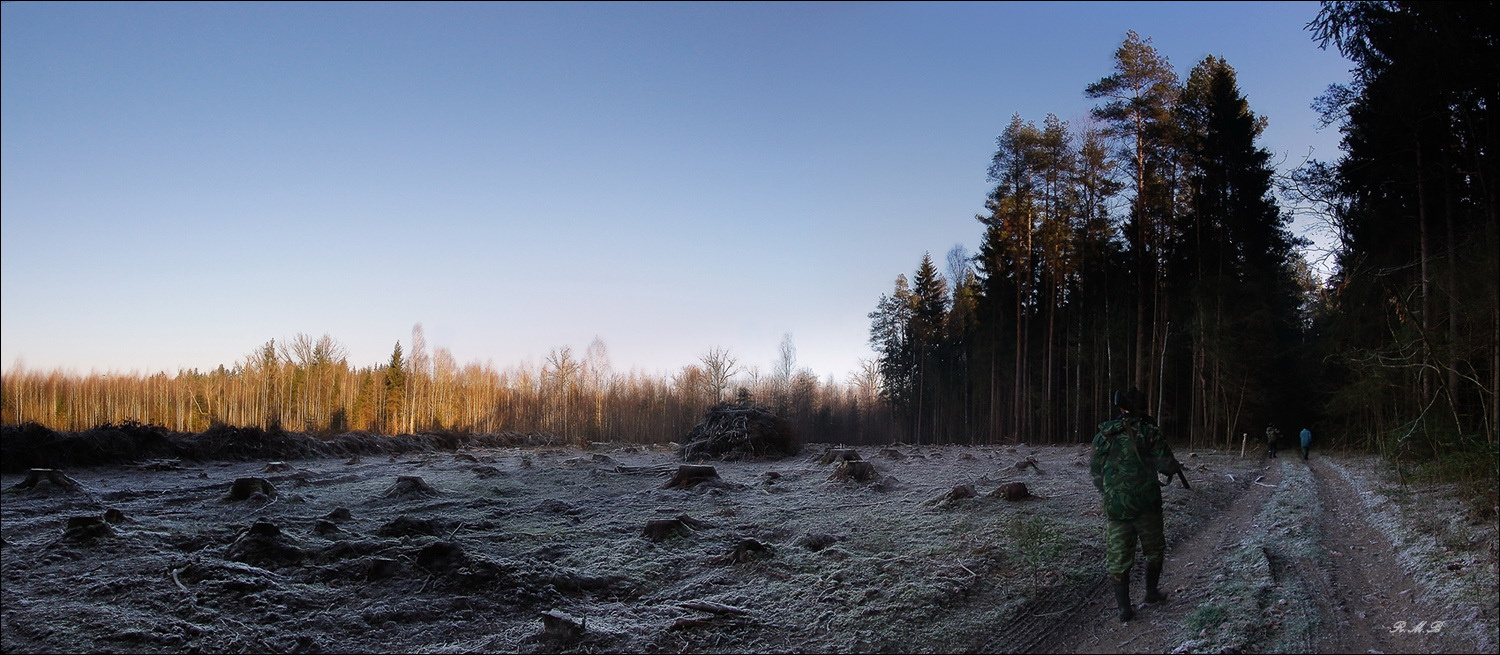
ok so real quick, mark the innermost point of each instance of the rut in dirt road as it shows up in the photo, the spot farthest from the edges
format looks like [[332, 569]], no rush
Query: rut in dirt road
[[1288, 564]]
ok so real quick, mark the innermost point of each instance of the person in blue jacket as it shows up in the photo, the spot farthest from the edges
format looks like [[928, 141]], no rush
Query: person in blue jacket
[[1306, 441]]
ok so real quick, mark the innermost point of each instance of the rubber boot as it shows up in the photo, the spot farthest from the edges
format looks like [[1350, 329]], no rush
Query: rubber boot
[[1153, 575], [1122, 598]]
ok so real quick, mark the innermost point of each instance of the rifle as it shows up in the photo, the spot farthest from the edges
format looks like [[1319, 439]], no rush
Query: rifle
[[1175, 472]]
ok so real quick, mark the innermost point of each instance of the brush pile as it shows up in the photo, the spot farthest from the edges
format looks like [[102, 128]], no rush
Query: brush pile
[[730, 432]]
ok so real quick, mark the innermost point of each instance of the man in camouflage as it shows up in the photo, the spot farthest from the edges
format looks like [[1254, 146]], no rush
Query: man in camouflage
[[1129, 452]]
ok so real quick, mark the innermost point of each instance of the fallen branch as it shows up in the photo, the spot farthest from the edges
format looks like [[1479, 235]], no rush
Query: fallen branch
[[710, 606]]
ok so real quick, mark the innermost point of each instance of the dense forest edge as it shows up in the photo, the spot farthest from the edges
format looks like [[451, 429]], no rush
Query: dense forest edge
[[1149, 248]]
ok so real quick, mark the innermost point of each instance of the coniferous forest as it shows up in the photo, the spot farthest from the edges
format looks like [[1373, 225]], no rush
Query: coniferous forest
[[1149, 248]]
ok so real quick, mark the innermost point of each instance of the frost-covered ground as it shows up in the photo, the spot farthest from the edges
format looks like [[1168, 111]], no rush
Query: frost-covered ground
[[776, 558], [1449, 553]]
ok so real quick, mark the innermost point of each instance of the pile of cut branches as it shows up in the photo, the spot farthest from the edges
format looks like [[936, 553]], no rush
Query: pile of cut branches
[[731, 431]]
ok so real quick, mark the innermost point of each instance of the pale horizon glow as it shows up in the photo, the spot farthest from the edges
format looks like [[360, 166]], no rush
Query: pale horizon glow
[[182, 182]]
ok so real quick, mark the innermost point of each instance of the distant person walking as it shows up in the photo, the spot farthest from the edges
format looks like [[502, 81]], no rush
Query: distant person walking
[[1129, 452], [1273, 434], [1306, 441]]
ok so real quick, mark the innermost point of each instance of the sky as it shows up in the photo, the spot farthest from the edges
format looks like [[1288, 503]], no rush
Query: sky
[[181, 182]]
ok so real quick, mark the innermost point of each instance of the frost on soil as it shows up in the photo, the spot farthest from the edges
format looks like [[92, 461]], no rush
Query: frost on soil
[[543, 549]]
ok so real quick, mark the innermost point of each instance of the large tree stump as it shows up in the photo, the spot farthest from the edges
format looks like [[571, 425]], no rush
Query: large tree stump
[[87, 528], [560, 626], [1029, 462], [747, 550], [244, 488], [410, 484], [382, 567], [838, 455], [54, 477], [859, 471], [664, 529], [955, 494], [690, 475], [1013, 491]]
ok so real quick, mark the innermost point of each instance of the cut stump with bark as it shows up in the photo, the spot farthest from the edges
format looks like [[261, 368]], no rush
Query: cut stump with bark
[[955, 494], [1013, 491], [664, 529], [559, 626], [87, 528], [410, 484], [244, 488], [53, 477], [859, 471], [691, 475], [838, 455], [747, 550]]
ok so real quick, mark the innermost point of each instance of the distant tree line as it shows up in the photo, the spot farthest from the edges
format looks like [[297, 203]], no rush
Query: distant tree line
[[1148, 249], [307, 385]]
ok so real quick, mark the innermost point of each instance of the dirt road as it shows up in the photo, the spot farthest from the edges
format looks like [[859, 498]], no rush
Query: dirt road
[[1293, 564]]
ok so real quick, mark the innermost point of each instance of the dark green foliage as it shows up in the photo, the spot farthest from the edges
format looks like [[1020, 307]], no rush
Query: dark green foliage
[[1412, 324]]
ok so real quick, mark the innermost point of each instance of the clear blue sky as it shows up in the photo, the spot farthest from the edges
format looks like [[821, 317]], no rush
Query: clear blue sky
[[182, 182]]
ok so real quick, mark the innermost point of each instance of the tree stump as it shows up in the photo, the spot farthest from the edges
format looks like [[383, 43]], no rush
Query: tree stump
[[338, 514], [747, 550], [891, 453], [690, 475], [1029, 462], [664, 529], [838, 455], [54, 477], [1013, 491], [276, 467], [859, 471], [244, 488], [113, 515], [956, 494], [410, 484], [87, 528], [560, 626], [381, 567]]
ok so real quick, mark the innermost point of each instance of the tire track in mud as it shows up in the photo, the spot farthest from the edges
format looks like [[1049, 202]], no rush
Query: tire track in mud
[[1193, 556], [1346, 594], [1361, 590]]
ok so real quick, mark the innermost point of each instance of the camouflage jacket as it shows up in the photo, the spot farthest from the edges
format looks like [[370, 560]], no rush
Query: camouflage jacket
[[1129, 452]]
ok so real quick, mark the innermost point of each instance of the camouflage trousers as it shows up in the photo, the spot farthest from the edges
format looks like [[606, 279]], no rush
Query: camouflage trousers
[[1119, 542]]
